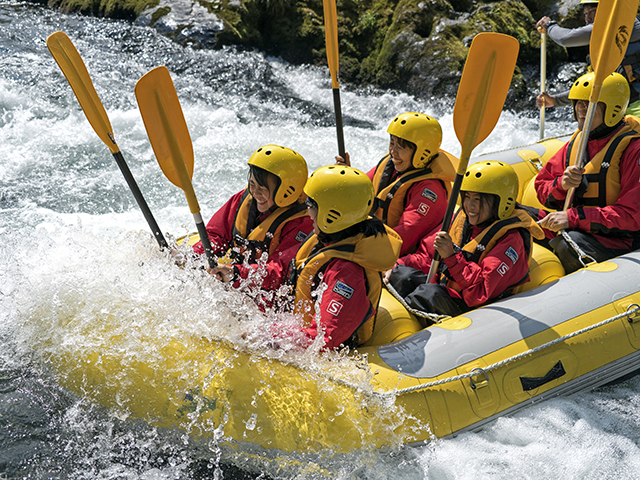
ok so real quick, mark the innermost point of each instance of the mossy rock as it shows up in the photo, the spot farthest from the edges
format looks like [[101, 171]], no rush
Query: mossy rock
[[426, 46], [122, 9]]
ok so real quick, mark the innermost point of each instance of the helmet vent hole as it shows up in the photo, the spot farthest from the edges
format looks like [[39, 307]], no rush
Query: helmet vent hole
[[268, 152], [478, 174], [333, 216]]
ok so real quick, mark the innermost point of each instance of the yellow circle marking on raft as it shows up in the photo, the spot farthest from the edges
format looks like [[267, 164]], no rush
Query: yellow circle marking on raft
[[603, 267], [455, 323]]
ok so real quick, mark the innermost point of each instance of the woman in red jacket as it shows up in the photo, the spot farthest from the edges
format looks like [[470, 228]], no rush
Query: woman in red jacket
[[485, 254], [268, 219], [413, 181]]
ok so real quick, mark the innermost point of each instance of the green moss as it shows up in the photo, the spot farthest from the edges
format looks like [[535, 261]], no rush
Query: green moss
[[159, 13], [125, 9]]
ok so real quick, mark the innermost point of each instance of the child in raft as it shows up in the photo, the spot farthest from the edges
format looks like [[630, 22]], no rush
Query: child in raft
[[413, 181], [485, 254]]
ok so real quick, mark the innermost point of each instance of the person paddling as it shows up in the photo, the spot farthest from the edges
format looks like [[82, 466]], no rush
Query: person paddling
[[604, 217], [336, 277], [580, 37], [268, 219], [413, 181], [486, 252]]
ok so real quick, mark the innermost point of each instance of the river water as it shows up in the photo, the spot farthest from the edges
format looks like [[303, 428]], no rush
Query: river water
[[73, 244]]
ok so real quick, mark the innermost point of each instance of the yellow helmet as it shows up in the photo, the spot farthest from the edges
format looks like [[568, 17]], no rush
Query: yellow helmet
[[614, 94], [496, 178], [343, 194], [289, 166], [423, 131]]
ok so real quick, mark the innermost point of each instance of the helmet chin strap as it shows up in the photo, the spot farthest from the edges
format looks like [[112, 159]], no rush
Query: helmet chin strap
[[602, 131]]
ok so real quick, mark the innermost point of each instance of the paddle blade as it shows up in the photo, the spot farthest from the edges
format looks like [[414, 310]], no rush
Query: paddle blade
[[166, 126], [485, 82], [331, 38], [74, 69], [610, 36]]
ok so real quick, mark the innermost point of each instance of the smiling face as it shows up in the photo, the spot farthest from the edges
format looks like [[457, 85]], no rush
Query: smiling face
[[263, 194], [478, 207], [581, 114], [401, 153]]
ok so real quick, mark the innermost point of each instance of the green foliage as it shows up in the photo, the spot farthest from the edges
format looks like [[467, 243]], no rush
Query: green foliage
[[417, 46]]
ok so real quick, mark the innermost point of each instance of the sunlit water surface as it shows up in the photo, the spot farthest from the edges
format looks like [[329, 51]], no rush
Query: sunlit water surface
[[75, 252]]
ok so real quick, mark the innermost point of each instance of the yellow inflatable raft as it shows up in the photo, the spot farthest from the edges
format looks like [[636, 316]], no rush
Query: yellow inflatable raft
[[559, 335]]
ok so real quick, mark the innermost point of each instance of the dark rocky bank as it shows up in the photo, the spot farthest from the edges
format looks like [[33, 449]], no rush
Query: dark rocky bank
[[415, 46]]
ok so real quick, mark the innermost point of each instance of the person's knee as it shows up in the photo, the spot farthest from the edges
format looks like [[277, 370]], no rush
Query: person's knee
[[404, 280], [565, 253]]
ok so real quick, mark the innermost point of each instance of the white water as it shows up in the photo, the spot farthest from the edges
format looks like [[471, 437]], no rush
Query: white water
[[73, 244]]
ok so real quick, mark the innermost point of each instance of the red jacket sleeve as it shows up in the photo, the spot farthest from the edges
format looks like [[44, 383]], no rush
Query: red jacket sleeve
[[421, 259], [220, 227], [275, 271], [344, 304], [504, 265], [425, 206], [548, 181]]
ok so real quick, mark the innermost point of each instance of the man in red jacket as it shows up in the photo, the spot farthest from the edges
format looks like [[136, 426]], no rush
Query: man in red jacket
[[604, 218]]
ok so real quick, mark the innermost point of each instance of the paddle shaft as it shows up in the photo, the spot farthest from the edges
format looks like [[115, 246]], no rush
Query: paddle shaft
[[137, 194], [543, 78], [446, 223], [582, 147], [339, 130], [331, 41]]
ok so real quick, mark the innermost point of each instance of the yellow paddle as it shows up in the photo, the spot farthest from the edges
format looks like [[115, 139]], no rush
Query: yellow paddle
[[331, 39], [543, 77], [74, 69], [170, 139], [610, 36], [483, 89]]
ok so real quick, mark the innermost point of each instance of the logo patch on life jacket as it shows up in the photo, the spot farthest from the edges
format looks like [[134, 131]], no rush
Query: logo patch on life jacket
[[430, 195], [512, 254], [502, 269], [301, 236], [423, 209], [343, 289], [334, 307]]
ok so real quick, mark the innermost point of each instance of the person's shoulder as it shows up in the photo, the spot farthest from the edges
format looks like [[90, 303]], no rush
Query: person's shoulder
[[343, 267]]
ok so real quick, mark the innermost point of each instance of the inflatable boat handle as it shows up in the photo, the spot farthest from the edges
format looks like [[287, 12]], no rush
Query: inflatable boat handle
[[479, 384], [634, 314]]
